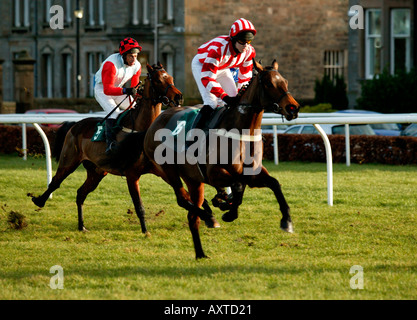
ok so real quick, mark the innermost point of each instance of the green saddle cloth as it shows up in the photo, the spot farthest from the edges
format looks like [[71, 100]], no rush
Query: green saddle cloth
[[100, 133]]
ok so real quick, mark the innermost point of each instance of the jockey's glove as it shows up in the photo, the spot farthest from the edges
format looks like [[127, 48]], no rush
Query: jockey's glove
[[231, 101], [130, 91]]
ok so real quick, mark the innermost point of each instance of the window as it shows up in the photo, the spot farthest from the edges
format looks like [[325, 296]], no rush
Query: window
[[46, 75], [400, 40], [94, 60], [309, 130], [166, 10], [67, 75], [335, 63], [168, 58], [95, 13], [48, 5], [143, 58], [21, 14], [373, 45], [140, 11], [293, 129]]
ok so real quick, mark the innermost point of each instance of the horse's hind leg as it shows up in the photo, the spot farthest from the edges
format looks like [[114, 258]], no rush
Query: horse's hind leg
[[90, 184], [263, 179], [194, 223], [68, 162], [134, 190], [196, 191]]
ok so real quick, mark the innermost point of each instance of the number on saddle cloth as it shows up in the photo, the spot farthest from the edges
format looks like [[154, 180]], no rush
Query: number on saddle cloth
[[100, 133], [183, 121]]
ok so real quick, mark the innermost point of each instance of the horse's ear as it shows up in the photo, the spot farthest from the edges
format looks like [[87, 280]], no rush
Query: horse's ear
[[160, 65], [275, 64], [257, 65], [149, 67]]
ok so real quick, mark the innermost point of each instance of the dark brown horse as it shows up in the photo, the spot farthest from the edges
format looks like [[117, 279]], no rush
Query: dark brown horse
[[236, 163], [74, 145]]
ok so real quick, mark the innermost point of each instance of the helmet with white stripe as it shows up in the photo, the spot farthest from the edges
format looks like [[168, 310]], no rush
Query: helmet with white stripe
[[241, 25]]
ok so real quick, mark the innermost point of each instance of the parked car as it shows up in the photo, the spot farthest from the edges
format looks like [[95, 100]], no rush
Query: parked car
[[50, 111], [269, 129], [354, 129], [381, 129], [410, 131]]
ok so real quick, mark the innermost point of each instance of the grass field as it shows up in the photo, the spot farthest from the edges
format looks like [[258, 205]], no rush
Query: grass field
[[372, 225]]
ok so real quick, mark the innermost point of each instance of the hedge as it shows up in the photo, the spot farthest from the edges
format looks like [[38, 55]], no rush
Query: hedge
[[11, 139], [291, 147], [363, 149]]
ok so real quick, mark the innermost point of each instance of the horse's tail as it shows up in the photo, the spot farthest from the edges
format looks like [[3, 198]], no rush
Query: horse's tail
[[127, 153], [60, 138]]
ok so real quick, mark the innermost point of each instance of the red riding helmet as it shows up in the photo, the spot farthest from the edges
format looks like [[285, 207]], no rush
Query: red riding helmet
[[128, 44], [241, 25]]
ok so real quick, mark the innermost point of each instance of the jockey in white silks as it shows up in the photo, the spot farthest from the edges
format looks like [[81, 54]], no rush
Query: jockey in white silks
[[114, 73]]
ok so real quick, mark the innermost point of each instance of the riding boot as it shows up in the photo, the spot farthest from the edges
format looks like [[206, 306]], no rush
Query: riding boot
[[205, 113], [110, 136]]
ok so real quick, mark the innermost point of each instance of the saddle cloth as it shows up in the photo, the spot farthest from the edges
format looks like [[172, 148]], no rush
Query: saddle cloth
[[187, 120], [100, 133]]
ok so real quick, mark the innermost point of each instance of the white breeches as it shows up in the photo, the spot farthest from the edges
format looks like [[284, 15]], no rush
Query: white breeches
[[108, 103], [224, 78]]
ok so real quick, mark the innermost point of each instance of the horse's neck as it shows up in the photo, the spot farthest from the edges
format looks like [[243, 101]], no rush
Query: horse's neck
[[147, 111], [248, 115]]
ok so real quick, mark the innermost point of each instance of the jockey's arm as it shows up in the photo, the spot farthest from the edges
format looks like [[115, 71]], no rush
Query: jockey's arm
[[108, 76]]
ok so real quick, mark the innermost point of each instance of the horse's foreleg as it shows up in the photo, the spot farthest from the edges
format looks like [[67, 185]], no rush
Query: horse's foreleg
[[90, 184], [263, 179], [133, 185], [238, 189]]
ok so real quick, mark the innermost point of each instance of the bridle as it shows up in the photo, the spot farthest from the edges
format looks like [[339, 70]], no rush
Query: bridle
[[276, 108], [161, 98]]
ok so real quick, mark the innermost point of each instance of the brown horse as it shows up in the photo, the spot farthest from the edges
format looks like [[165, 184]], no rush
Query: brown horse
[[240, 127], [74, 145]]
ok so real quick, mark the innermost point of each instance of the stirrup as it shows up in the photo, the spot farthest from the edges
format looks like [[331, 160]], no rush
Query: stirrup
[[111, 148]]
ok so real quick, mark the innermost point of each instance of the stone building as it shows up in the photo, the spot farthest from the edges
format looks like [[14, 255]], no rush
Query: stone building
[[309, 38], [387, 40]]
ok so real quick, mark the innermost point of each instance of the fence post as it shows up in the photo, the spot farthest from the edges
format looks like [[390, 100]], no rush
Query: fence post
[[1, 85]]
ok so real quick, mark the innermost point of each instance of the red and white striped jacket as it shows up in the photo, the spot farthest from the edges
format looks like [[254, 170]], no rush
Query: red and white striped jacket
[[218, 54]]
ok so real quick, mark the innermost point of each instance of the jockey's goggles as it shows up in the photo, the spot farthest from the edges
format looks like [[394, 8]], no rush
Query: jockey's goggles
[[243, 42]]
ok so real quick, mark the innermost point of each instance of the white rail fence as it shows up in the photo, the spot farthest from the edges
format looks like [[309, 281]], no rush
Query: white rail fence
[[307, 118]]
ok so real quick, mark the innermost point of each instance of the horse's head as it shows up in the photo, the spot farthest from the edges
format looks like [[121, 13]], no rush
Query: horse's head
[[274, 95], [162, 86]]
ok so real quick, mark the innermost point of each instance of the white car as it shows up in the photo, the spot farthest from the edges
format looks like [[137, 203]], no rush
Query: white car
[[354, 129]]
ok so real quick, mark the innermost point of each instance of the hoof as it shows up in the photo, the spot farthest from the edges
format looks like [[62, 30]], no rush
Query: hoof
[[212, 223], [203, 256], [83, 229], [229, 216], [221, 204], [287, 226], [147, 234], [38, 202]]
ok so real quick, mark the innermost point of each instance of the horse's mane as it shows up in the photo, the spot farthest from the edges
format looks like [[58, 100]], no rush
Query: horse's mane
[[245, 87]]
